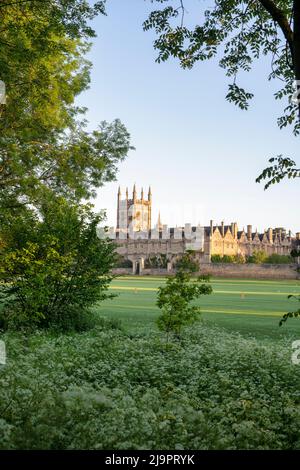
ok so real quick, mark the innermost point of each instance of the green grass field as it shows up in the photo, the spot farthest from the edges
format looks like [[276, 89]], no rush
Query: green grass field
[[248, 306]]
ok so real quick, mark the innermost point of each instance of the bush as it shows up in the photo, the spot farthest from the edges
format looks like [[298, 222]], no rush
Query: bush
[[258, 257], [54, 267], [279, 259], [239, 259], [156, 262], [122, 262], [188, 263], [295, 253], [174, 301], [216, 258]]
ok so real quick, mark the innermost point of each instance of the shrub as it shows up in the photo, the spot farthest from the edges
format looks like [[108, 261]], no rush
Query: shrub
[[54, 267], [238, 259], [174, 300], [258, 257], [188, 263], [122, 262], [295, 253], [156, 262], [216, 258], [279, 259]]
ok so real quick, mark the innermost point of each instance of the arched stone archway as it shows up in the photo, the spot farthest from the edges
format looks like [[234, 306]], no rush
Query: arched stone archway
[[138, 266]]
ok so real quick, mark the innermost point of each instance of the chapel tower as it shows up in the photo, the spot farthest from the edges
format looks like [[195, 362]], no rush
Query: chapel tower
[[134, 213]]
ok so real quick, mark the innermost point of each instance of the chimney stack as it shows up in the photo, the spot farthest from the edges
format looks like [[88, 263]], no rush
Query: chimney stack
[[211, 227], [249, 232], [270, 235], [234, 230], [222, 229]]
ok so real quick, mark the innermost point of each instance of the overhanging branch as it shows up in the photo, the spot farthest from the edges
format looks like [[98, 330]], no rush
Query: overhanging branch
[[280, 18]]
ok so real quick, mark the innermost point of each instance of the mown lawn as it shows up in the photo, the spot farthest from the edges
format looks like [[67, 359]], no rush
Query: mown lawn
[[250, 307]]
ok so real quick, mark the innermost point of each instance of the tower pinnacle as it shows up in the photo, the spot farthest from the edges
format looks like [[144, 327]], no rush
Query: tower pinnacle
[[159, 224]]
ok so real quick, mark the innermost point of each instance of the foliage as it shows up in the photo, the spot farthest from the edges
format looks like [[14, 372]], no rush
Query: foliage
[[238, 259], [279, 259], [242, 31], [71, 16], [174, 301], [122, 262], [157, 262], [54, 266], [257, 257], [105, 389], [295, 253], [74, 167], [187, 262], [294, 314], [216, 258], [43, 137], [42, 61], [283, 168]]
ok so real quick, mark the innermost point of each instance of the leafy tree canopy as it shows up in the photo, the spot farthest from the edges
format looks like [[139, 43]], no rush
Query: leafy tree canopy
[[44, 144], [242, 31], [53, 266], [42, 46]]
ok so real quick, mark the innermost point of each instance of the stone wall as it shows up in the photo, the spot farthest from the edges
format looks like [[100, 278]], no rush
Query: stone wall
[[252, 271], [145, 272], [122, 271], [230, 270]]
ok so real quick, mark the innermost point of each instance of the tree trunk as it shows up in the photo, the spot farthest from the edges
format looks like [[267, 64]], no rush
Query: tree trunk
[[296, 46]]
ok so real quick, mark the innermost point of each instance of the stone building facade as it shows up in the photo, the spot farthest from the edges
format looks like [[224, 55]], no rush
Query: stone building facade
[[138, 242]]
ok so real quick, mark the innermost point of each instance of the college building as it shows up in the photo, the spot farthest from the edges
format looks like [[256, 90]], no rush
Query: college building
[[140, 245]]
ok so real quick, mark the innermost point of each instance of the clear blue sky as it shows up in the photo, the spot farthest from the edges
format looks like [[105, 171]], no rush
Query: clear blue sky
[[200, 153]]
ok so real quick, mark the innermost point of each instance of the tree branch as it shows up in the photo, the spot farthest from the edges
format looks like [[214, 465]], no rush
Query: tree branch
[[280, 18]]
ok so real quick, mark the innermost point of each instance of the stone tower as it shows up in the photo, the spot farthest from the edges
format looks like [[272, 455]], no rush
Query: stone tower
[[134, 213]]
